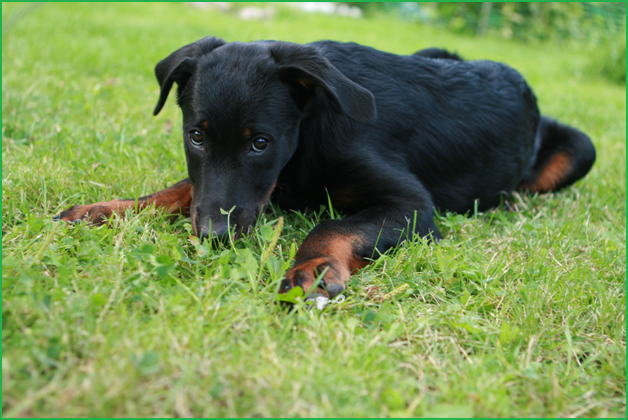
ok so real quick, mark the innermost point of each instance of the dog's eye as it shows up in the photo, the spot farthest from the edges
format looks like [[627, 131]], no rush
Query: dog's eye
[[196, 138], [259, 145]]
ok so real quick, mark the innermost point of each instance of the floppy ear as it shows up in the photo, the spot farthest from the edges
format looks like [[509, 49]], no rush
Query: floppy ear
[[180, 65], [308, 70]]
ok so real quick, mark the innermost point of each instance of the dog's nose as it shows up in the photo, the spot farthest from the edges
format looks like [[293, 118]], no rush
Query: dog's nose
[[220, 233]]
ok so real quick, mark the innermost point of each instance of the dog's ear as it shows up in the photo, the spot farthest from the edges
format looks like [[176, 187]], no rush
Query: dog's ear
[[180, 65], [309, 71]]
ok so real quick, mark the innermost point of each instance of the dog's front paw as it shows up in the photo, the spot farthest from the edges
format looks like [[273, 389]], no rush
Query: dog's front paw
[[93, 213], [305, 274]]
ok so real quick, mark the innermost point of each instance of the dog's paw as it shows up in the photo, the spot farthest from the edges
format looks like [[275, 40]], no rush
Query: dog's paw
[[95, 214], [305, 275]]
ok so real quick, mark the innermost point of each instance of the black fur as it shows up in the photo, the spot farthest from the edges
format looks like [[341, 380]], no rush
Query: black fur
[[438, 53], [388, 137]]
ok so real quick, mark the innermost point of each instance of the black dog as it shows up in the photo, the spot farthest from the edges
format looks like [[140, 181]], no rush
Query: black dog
[[388, 138]]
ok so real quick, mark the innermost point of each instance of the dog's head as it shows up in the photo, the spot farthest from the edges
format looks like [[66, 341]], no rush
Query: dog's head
[[242, 107]]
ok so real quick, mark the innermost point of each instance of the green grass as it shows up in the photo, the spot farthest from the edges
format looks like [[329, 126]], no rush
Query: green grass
[[513, 314]]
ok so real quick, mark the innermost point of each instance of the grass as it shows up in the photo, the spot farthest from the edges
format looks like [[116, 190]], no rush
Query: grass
[[513, 314]]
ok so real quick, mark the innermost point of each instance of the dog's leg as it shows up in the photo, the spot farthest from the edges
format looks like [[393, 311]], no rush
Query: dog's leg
[[339, 247], [174, 199]]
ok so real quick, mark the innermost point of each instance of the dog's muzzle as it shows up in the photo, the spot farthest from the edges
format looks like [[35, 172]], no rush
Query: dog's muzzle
[[217, 226]]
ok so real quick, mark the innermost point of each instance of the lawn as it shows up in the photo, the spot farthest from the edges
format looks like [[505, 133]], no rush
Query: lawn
[[516, 314]]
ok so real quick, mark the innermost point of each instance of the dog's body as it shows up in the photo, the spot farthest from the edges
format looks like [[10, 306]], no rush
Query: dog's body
[[386, 138]]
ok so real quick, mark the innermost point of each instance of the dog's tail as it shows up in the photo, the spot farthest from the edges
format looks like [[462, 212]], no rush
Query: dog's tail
[[438, 53], [563, 155]]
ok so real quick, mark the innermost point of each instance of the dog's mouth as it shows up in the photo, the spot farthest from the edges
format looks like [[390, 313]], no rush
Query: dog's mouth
[[227, 226], [223, 223]]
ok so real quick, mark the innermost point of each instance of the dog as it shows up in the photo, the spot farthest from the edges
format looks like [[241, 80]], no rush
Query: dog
[[387, 138]]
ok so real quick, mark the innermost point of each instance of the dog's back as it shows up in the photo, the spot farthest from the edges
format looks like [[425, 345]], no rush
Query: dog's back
[[464, 129]]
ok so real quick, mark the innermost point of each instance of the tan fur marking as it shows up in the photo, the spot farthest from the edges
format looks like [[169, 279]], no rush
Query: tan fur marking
[[193, 221], [341, 248], [174, 199], [174, 208], [304, 82], [552, 174], [266, 199], [335, 251], [247, 133]]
